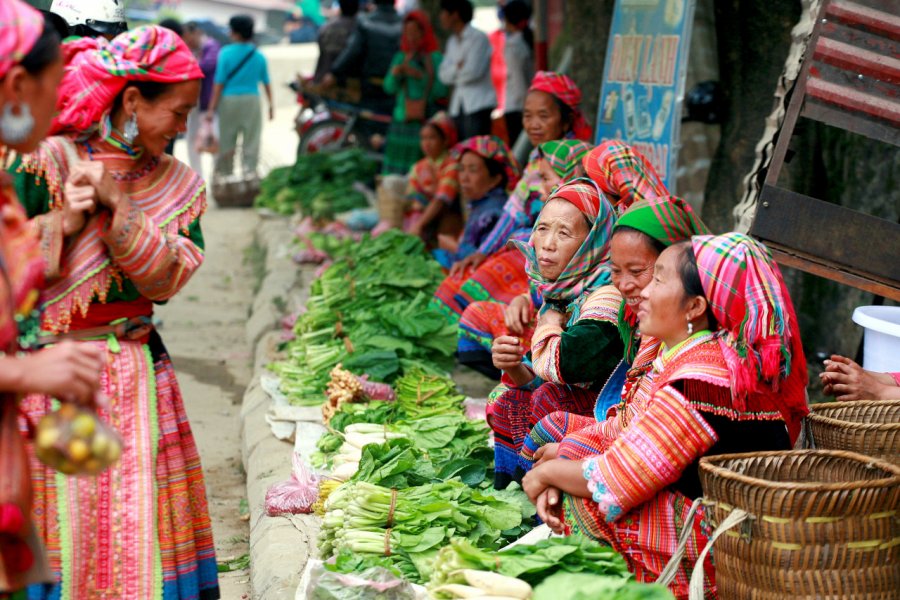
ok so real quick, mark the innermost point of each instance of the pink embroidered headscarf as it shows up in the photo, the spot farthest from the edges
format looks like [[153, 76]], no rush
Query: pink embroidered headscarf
[[20, 27], [97, 70]]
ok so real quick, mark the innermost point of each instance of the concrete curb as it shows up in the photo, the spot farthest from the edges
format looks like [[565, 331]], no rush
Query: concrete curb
[[279, 546]]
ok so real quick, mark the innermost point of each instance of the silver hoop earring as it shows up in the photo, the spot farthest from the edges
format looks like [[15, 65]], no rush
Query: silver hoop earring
[[16, 128], [690, 328], [131, 129]]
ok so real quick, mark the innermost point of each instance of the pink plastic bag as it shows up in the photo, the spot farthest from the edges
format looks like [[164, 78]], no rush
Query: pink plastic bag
[[297, 494], [207, 139]]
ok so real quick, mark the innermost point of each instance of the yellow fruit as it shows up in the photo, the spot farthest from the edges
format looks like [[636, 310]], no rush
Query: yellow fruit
[[78, 450], [100, 444], [113, 452], [84, 425], [47, 435]]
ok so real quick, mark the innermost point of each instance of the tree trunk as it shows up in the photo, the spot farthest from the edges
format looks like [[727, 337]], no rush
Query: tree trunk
[[753, 40]]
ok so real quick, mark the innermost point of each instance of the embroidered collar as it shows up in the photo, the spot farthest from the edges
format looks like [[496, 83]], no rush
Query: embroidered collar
[[666, 355]]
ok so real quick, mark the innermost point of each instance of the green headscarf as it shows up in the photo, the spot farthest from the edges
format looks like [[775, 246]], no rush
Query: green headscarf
[[667, 219], [564, 156]]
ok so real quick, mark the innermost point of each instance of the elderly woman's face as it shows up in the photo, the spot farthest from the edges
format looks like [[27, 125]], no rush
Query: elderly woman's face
[[163, 118], [542, 118], [632, 259], [662, 310], [35, 93], [561, 229]]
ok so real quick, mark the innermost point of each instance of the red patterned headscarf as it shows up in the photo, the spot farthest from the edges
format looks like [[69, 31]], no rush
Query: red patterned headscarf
[[97, 71], [490, 147], [623, 173], [20, 27], [564, 89], [429, 42], [447, 127], [761, 340]]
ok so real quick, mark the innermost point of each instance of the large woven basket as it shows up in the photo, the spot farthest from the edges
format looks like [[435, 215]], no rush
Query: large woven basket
[[822, 524], [870, 427]]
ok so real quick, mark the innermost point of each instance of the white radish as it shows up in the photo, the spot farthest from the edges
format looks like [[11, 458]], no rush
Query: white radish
[[497, 585], [457, 590], [345, 471]]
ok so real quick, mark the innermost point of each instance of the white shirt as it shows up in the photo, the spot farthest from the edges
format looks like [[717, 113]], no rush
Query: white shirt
[[519, 70], [467, 67]]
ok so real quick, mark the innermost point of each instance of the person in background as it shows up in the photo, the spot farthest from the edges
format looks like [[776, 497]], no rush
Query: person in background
[[369, 53], [333, 37], [235, 98], [31, 68], [467, 67], [93, 18], [206, 51], [412, 80], [518, 51], [846, 380], [487, 173], [304, 22], [433, 183]]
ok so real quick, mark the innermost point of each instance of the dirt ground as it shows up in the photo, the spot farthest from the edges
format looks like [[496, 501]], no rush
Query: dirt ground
[[203, 328]]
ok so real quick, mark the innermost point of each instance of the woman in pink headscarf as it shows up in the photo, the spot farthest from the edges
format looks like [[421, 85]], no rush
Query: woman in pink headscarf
[[120, 231]]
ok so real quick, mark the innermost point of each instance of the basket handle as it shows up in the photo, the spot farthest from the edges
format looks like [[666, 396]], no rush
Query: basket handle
[[667, 576], [734, 518]]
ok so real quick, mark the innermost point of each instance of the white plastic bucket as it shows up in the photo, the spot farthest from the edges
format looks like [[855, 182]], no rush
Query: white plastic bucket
[[881, 349]]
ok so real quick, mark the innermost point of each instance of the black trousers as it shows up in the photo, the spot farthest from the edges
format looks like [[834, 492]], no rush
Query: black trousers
[[472, 124]]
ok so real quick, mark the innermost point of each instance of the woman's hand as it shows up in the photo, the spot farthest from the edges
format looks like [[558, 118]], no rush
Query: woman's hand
[[507, 352], [553, 317], [846, 380], [537, 481], [549, 509], [473, 260], [68, 371], [518, 314], [94, 175], [78, 203], [545, 453]]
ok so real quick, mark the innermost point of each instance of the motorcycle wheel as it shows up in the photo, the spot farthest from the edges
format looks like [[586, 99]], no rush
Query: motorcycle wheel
[[324, 136]]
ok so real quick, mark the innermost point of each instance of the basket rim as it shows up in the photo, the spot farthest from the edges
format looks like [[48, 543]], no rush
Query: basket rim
[[821, 407], [709, 464], [818, 414]]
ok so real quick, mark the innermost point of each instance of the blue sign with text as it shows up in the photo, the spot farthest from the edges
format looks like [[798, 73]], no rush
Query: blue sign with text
[[643, 79]]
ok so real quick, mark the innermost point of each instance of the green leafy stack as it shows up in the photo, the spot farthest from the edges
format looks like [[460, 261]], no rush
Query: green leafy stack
[[318, 185], [369, 311]]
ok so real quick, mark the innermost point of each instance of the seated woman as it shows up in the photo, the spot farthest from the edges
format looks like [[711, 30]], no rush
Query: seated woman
[[559, 162], [432, 191], [487, 170], [731, 377], [576, 344], [846, 380], [640, 235], [551, 113]]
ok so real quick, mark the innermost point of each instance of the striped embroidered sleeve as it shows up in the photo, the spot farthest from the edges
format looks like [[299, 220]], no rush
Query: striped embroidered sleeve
[[49, 229], [158, 263], [650, 455], [448, 182]]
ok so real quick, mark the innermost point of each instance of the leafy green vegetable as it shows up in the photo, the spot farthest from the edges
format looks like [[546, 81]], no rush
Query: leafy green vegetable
[[588, 586]]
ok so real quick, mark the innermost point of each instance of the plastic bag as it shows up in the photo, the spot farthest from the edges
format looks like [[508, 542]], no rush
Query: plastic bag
[[207, 139], [74, 440], [376, 583], [297, 494]]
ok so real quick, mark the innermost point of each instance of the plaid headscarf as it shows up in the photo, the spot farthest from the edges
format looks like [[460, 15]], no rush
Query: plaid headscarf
[[429, 42], [623, 174], [588, 269], [761, 339], [490, 147], [564, 89], [667, 219], [445, 124], [20, 27], [97, 70], [564, 156]]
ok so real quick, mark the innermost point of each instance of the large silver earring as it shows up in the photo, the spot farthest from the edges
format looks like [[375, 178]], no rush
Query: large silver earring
[[690, 328], [131, 129], [16, 128]]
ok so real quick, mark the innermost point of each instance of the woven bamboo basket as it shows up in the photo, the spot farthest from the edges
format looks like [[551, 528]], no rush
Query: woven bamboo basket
[[870, 427], [822, 524]]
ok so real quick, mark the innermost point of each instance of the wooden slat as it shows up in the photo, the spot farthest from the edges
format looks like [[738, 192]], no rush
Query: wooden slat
[[853, 100], [855, 242], [858, 123], [885, 23], [811, 264], [859, 60]]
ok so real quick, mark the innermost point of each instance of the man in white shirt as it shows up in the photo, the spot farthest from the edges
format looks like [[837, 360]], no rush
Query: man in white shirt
[[467, 67]]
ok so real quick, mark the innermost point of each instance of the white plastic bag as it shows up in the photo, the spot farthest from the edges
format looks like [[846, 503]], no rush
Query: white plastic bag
[[207, 139]]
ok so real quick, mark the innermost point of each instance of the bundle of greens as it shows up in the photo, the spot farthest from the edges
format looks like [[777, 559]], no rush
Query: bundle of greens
[[420, 394], [369, 311], [367, 525], [587, 586], [319, 185], [530, 563]]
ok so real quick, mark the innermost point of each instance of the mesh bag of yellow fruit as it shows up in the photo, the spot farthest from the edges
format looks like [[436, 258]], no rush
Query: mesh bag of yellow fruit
[[75, 441]]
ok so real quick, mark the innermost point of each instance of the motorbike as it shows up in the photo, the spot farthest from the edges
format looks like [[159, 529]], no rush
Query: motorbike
[[330, 120]]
